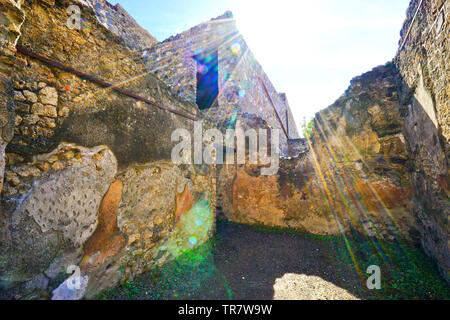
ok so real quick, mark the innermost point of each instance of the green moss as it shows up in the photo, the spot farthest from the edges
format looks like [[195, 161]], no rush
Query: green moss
[[178, 279]]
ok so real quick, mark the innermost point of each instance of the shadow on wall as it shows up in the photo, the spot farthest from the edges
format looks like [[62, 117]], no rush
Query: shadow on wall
[[429, 167], [129, 131]]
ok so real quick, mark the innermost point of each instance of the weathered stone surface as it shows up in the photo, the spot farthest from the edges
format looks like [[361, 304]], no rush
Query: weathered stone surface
[[149, 206], [30, 119], [44, 110], [72, 207], [425, 103], [30, 96], [354, 176], [11, 21], [117, 19], [48, 95], [71, 289], [83, 112], [71, 109], [250, 199], [47, 122], [137, 226], [245, 89], [19, 96], [63, 112], [54, 212]]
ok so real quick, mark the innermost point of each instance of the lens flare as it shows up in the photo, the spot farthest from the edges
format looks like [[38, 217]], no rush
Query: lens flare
[[193, 241], [236, 48]]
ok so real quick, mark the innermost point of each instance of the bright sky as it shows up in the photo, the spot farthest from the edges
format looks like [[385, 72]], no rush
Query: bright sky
[[310, 49]]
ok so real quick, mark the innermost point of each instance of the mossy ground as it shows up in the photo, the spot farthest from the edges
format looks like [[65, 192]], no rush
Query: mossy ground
[[213, 270], [179, 279]]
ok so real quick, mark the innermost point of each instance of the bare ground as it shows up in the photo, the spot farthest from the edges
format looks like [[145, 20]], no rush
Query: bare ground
[[247, 263]]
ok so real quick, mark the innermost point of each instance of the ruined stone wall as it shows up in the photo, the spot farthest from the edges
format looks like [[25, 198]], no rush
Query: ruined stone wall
[[353, 176], [46, 97], [423, 61], [11, 21], [378, 158], [240, 77], [118, 21], [89, 179], [248, 90], [88, 176]]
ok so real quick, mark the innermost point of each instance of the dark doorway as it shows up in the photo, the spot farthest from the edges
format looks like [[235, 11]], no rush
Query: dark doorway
[[207, 79]]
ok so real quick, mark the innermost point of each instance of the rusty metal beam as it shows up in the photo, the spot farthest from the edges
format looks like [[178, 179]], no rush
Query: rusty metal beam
[[101, 82], [287, 121]]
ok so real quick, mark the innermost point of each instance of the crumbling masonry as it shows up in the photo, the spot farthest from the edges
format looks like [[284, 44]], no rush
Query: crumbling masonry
[[86, 118]]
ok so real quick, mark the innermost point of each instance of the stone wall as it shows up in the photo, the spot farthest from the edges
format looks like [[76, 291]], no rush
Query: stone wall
[[46, 97], [89, 180], [240, 76], [118, 21], [122, 206], [378, 158], [352, 177], [11, 21], [423, 61]]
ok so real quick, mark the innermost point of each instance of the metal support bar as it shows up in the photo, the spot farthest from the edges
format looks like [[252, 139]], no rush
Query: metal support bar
[[101, 82], [287, 121]]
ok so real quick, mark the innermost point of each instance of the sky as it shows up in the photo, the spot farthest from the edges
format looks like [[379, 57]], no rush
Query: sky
[[310, 49]]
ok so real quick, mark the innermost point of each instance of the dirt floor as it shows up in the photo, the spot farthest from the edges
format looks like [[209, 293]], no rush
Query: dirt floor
[[243, 262]]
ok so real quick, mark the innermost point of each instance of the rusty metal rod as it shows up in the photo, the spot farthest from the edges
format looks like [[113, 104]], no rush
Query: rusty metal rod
[[100, 82], [287, 121]]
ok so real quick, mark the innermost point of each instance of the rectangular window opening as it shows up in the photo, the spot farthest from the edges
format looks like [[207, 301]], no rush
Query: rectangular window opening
[[207, 79]]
